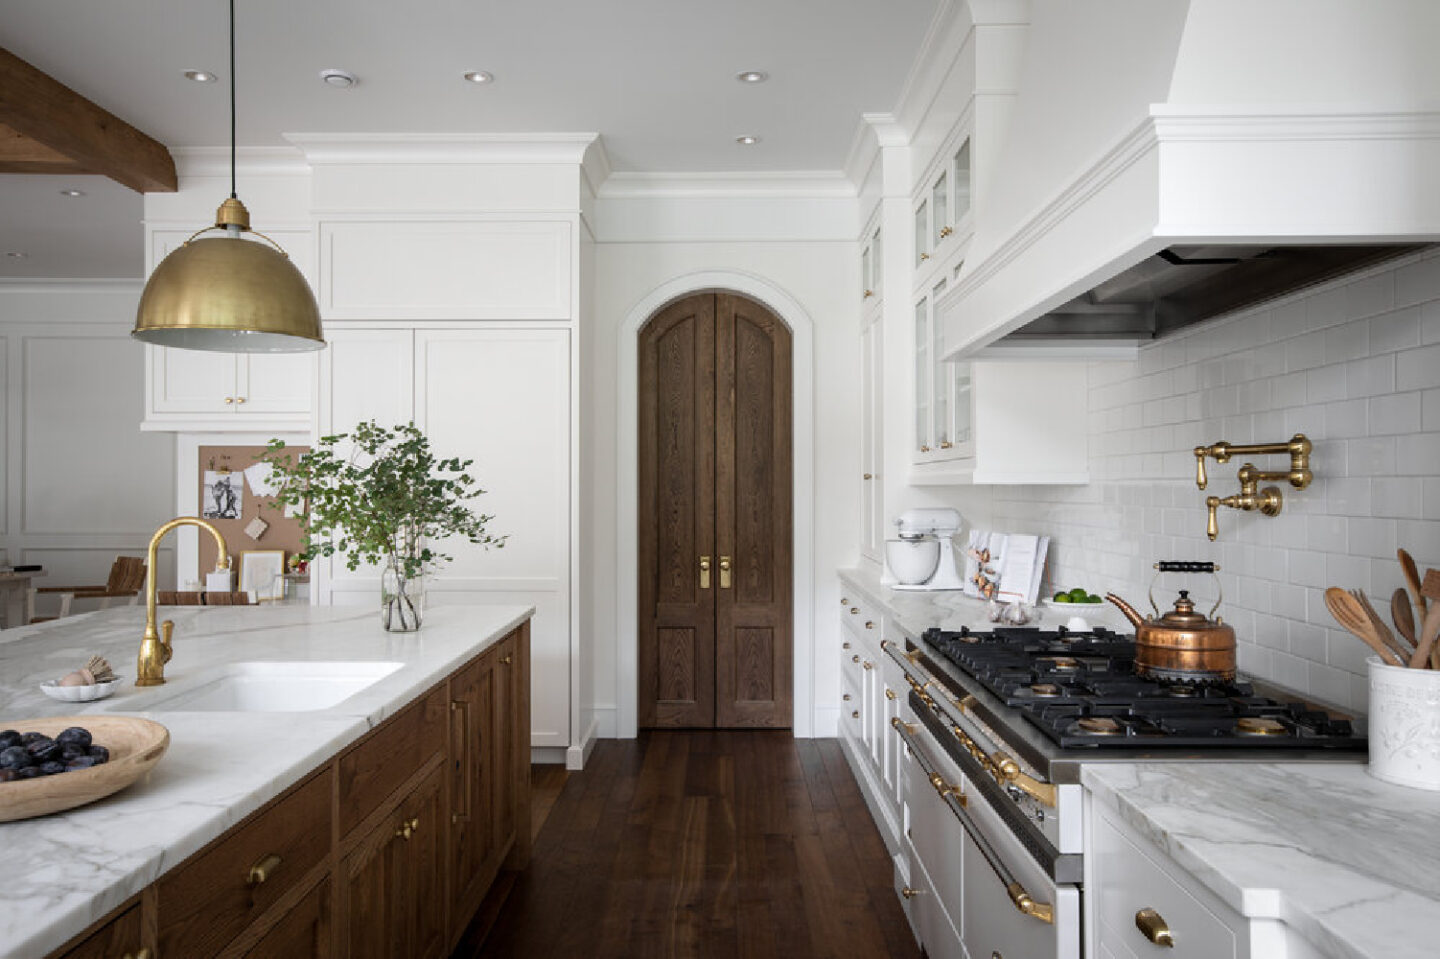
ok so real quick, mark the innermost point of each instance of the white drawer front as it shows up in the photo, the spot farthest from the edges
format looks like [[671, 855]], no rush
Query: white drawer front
[[1126, 880]]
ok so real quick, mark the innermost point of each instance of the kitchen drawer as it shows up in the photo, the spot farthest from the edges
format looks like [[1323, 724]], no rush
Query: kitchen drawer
[[207, 901], [382, 762], [935, 833], [851, 709], [861, 617], [304, 933], [117, 938], [933, 926], [1126, 879]]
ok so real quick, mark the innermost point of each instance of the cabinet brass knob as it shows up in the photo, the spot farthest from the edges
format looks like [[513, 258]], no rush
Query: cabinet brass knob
[[889, 693], [844, 645], [855, 714], [855, 658], [229, 400], [947, 445], [924, 257], [868, 665], [868, 476], [407, 829], [909, 893], [505, 660], [239, 399], [945, 231], [844, 601], [869, 624], [924, 448], [1154, 927], [868, 294], [262, 870], [846, 697]]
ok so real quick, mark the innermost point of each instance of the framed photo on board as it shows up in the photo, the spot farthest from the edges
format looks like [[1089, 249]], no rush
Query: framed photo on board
[[262, 574]]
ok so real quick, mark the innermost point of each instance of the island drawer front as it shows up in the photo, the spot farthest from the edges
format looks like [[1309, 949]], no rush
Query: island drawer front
[[120, 936], [1129, 880], [206, 902], [382, 762]]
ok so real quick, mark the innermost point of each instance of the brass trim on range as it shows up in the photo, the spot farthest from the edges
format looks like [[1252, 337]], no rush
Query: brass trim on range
[[1043, 911], [1154, 927]]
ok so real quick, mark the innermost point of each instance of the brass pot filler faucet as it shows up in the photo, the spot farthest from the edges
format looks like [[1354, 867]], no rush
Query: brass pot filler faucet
[[1251, 497]]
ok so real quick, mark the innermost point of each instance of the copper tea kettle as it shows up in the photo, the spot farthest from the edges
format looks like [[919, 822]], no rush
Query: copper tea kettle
[[1182, 645]]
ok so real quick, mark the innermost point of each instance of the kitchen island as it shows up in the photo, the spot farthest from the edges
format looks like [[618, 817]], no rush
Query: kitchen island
[[71, 869]]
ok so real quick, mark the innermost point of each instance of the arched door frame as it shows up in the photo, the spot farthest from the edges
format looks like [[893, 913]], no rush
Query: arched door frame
[[802, 411]]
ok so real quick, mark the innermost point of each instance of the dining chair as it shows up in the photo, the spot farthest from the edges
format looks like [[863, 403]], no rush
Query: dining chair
[[127, 578], [179, 597], [238, 598]]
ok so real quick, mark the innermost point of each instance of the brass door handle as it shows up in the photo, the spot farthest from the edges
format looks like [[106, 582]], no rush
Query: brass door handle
[[705, 572], [262, 870], [724, 572], [1154, 927]]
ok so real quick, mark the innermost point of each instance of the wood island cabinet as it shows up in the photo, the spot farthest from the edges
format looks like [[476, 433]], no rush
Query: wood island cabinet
[[385, 850]]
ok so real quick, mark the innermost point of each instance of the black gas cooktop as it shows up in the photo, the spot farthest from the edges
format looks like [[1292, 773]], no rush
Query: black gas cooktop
[[1080, 689]]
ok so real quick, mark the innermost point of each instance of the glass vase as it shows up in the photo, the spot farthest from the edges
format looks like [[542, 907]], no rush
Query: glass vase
[[402, 599]]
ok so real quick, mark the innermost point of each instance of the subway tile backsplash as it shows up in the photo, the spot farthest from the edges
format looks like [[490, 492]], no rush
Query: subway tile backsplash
[[1355, 365]]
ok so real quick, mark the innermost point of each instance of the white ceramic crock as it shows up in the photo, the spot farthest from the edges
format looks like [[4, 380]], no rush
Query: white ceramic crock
[[1405, 725]]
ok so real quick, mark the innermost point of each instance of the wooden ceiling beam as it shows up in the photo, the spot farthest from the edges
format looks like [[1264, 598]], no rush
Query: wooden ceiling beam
[[46, 123]]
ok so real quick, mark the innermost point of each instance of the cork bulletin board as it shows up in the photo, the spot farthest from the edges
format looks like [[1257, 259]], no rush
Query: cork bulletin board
[[229, 462]]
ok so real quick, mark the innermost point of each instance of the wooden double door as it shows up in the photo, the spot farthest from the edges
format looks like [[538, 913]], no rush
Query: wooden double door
[[715, 578]]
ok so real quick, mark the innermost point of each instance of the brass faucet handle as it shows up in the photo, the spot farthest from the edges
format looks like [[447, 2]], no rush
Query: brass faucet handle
[[1212, 525], [167, 632], [1200, 478]]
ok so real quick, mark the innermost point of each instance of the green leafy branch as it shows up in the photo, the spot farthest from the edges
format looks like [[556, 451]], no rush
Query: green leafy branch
[[383, 501]]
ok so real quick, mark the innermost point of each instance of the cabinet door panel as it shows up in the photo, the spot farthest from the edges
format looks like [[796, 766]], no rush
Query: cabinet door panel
[[275, 383], [119, 936], [304, 933], [192, 381]]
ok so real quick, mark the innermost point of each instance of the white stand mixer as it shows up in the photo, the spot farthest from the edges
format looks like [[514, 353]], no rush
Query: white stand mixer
[[923, 556]]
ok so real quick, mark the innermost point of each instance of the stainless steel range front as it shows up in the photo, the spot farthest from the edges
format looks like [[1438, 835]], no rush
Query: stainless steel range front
[[998, 725]]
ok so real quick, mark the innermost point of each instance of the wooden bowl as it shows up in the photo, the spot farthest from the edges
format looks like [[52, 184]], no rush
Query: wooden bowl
[[135, 745]]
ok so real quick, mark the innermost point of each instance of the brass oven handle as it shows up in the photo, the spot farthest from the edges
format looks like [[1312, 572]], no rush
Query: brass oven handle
[[1153, 925], [724, 572], [1043, 911], [947, 789], [262, 870], [705, 572]]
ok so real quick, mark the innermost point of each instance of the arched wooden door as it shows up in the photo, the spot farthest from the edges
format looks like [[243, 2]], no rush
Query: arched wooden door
[[715, 583]]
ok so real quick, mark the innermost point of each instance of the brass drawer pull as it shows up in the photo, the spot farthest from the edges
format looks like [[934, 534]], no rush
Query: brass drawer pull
[[844, 645], [262, 870], [868, 665], [889, 693], [909, 893], [505, 660], [869, 624], [407, 829], [846, 697], [1154, 927], [855, 658], [144, 953], [854, 610], [946, 231]]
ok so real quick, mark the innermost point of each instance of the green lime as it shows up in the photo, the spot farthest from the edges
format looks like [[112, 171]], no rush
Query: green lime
[[1092, 598], [1062, 597], [1078, 594]]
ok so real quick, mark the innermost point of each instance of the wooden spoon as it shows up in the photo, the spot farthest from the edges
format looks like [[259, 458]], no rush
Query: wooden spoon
[[1428, 633], [1404, 615], [1412, 576], [1431, 589], [1378, 624], [1349, 613]]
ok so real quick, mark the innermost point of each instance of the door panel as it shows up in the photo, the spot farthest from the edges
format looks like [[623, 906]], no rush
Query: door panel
[[677, 483], [715, 483]]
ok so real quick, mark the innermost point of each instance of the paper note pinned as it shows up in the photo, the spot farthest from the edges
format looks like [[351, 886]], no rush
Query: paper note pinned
[[260, 479]]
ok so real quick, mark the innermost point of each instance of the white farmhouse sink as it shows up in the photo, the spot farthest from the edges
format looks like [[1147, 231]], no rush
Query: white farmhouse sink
[[261, 687]]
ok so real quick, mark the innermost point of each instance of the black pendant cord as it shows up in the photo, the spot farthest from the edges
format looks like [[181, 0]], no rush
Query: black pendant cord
[[232, 100]]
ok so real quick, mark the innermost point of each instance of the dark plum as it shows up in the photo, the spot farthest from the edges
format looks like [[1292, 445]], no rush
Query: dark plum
[[28, 738], [29, 772], [72, 750], [81, 762], [78, 735], [6, 775], [100, 754], [15, 757], [51, 768], [8, 738], [44, 750]]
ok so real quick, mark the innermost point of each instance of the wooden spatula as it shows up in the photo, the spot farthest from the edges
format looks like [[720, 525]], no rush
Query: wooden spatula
[[1428, 632], [1404, 615], [1412, 578], [1349, 613]]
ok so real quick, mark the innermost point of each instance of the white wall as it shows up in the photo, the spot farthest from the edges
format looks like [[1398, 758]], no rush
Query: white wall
[[817, 276], [1354, 365], [81, 484]]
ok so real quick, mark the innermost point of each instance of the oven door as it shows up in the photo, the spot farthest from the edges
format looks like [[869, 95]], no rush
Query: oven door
[[1000, 901]]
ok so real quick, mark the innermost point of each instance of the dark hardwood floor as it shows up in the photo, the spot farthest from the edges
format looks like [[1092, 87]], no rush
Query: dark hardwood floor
[[680, 844]]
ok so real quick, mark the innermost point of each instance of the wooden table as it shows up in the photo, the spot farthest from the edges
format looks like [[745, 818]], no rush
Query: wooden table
[[15, 587]]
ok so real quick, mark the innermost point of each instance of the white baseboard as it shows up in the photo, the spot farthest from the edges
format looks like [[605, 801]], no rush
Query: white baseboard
[[547, 755], [826, 722], [576, 756]]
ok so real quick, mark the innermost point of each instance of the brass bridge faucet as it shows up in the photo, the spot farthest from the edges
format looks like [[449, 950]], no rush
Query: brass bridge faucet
[[1251, 497], [155, 651]]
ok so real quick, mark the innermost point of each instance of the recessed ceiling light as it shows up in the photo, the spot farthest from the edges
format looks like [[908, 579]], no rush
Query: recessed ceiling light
[[752, 76], [16, 255], [200, 76], [338, 78], [479, 76], [72, 192], [747, 140]]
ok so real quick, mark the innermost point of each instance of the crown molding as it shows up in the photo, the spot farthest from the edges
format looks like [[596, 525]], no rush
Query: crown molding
[[254, 161], [357, 148], [817, 184]]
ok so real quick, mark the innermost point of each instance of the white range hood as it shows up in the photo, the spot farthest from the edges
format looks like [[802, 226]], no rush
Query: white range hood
[[1277, 143]]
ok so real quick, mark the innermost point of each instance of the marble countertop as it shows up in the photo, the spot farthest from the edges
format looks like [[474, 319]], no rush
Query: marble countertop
[[1351, 863], [66, 870]]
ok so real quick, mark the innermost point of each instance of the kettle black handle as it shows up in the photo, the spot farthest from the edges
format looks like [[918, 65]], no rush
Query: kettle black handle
[[1185, 566]]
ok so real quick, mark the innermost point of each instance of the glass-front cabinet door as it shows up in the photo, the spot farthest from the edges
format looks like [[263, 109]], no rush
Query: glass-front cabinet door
[[922, 375], [940, 226], [922, 232], [960, 200], [940, 379], [943, 390]]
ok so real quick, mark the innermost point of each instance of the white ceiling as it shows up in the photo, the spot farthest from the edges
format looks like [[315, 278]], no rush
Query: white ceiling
[[654, 77]]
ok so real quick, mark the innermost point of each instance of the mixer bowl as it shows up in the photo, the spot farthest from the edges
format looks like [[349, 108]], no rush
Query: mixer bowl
[[912, 561]]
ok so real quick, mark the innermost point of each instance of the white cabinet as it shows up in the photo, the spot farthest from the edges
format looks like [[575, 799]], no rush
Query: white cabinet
[[944, 426], [502, 397], [865, 731], [942, 217], [193, 390], [872, 259], [872, 440]]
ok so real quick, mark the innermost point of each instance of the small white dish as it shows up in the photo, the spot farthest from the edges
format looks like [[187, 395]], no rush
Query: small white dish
[[78, 694]]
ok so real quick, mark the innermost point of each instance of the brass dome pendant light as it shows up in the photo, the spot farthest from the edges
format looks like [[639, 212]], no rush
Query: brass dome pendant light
[[228, 293]]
